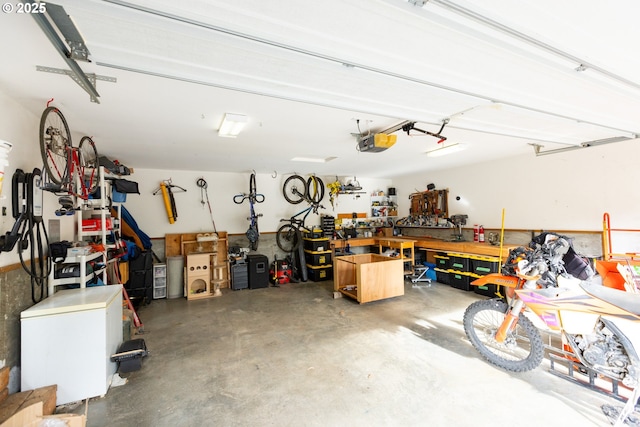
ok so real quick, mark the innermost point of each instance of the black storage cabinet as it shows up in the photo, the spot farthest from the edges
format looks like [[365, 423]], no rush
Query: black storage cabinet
[[258, 266], [140, 283]]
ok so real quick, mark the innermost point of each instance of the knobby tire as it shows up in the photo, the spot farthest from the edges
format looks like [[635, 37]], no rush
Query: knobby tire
[[287, 238], [294, 189], [522, 350]]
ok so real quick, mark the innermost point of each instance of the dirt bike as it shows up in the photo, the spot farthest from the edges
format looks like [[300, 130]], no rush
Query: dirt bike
[[599, 325]]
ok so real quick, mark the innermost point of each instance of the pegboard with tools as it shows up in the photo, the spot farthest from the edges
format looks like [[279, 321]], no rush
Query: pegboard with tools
[[430, 205]]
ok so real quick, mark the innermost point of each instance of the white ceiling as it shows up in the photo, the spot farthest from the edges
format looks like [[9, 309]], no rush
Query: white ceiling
[[502, 71]]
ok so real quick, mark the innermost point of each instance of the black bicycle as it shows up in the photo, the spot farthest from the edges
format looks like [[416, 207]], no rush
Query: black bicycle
[[295, 190], [254, 197]]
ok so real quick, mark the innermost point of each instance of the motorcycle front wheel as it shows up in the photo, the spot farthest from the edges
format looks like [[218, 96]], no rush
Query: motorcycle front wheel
[[521, 351]]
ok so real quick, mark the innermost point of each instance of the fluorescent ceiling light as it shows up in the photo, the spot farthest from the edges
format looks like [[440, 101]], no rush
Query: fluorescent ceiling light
[[447, 149], [232, 125], [313, 159]]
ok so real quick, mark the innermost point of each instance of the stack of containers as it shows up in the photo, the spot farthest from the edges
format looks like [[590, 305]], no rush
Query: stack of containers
[[459, 271], [317, 255], [481, 266], [442, 267]]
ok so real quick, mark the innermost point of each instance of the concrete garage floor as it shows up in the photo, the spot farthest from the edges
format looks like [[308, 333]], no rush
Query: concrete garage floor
[[295, 356]]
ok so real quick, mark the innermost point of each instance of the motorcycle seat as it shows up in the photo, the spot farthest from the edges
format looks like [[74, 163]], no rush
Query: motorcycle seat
[[627, 301]]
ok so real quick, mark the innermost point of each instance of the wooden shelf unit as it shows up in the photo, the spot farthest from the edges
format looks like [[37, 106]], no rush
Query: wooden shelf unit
[[202, 243]]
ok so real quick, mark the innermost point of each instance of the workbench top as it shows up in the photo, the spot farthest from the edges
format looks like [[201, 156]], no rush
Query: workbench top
[[432, 244]]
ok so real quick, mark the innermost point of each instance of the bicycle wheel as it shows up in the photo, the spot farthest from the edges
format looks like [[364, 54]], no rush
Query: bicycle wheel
[[55, 145], [315, 189], [252, 185], [88, 156], [294, 189], [287, 238]]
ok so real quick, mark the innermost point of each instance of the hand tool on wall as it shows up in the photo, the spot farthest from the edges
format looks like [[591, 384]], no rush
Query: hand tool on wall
[[166, 189]]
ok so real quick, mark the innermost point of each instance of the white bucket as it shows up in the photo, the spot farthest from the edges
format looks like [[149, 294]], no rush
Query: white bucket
[[5, 148]]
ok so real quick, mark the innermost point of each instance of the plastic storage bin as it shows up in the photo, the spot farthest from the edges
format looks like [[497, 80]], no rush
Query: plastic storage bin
[[483, 265], [316, 245], [459, 262], [317, 258], [320, 273], [459, 280]]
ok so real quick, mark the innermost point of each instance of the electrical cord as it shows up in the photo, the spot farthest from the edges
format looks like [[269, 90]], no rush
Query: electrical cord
[[33, 234]]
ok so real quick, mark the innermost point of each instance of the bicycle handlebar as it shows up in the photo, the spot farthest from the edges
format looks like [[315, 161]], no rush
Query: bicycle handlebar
[[240, 198]]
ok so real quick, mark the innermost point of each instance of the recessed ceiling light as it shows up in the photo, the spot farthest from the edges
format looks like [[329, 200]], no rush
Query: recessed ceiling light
[[313, 159]]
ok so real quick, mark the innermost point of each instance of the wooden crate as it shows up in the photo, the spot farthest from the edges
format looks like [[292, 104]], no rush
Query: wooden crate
[[368, 277]]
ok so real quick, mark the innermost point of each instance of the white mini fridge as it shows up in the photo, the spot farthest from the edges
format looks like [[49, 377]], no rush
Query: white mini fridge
[[68, 340]]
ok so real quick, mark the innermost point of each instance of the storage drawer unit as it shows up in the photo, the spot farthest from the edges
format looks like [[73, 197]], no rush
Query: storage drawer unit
[[328, 225], [159, 281]]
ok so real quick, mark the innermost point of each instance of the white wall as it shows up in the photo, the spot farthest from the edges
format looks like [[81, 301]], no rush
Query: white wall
[[193, 216], [21, 129], [563, 191]]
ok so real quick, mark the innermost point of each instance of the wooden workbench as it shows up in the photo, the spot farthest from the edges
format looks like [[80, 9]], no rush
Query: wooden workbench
[[434, 245]]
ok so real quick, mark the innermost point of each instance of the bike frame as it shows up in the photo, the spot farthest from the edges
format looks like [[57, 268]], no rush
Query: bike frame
[[253, 197], [299, 223], [74, 166], [574, 309]]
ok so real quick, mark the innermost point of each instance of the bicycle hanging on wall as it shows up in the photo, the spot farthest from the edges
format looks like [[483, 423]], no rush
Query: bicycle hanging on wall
[[253, 234], [68, 169], [296, 189]]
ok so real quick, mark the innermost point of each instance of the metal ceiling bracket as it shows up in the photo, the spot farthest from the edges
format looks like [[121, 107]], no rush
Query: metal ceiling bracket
[[537, 148], [79, 76], [92, 78], [68, 29]]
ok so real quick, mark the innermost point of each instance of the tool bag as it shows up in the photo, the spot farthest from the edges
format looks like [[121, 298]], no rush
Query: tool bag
[[58, 250]]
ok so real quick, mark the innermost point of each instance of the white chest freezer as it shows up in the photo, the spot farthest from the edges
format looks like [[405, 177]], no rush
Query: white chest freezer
[[68, 339]]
